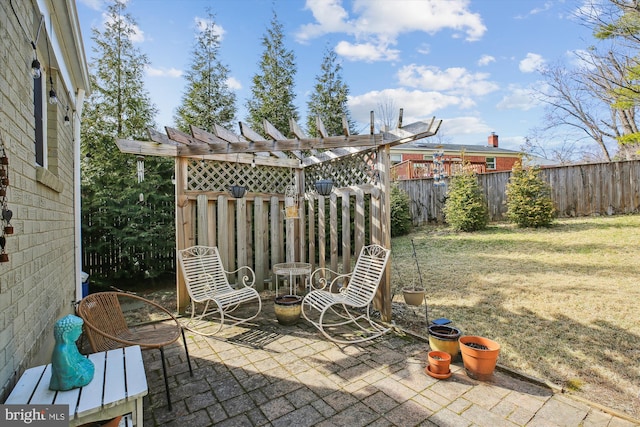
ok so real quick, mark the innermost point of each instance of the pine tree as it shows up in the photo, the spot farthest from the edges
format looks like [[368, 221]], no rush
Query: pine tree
[[123, 220], [329, 100], [529, 202], [273, 87], [207, 99], [465, 207]]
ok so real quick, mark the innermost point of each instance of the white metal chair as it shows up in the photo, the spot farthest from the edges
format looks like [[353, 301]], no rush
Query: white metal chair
[[332, 312], [207, 284]]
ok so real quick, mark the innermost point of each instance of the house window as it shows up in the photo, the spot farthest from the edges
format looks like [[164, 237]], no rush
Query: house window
[[395, 158], [491, 163], [40, 113]]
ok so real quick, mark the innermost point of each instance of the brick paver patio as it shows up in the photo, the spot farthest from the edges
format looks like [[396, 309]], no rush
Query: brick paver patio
[[265, 374]]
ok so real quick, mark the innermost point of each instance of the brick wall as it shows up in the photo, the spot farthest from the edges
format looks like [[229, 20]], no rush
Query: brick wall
[[37, 285], [502, 163]]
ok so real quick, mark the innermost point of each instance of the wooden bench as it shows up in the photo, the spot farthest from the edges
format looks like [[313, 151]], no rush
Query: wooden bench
[[117, 388]]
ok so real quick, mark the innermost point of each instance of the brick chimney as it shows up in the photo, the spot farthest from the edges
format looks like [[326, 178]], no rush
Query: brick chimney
[[493, 140]]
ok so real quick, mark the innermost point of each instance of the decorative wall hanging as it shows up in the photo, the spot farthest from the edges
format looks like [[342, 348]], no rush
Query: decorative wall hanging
[[7, 214], [291, 202], [439, 173]]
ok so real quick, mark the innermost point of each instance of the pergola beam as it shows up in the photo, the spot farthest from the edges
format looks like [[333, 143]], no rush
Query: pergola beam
[[221, 142]]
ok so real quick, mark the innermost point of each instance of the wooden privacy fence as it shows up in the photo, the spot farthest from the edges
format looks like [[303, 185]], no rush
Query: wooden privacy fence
[[258, 231], [252, 231], [577, 190]]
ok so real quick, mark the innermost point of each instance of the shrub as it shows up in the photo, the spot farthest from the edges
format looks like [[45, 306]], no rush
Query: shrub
[[465, 208], [400, 212], [529, 202]]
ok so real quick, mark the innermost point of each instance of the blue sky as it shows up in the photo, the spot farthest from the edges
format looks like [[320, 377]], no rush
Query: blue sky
[[471, 63]]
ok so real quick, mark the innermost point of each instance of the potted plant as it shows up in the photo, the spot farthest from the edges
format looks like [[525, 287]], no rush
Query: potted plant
[[479, 356], [287, 309], [414, 294], [445, 338], [439, 362]]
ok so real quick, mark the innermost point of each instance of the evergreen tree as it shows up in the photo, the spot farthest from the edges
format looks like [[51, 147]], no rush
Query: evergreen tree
[[465, 207], [273, 87], [123, 221], [207, 99], [529, 202], [329, 100]]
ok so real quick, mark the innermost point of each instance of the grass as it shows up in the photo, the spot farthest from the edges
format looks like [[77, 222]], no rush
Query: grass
[[563, 302]]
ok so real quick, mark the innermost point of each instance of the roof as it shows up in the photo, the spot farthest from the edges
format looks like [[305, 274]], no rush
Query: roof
[[467, 148]]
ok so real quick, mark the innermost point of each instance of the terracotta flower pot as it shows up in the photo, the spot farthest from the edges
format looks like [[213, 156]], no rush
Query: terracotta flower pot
[[287, 309], [413, 296], [479, 356], [439, 362]]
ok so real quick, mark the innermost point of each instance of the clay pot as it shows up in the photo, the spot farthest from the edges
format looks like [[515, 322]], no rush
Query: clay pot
[[479, 356], [445, 338], [4, 257], [439, 362], [287, 309], [413, 296], [8, 229]]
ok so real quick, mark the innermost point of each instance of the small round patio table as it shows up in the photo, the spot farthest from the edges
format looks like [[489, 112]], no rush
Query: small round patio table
[[292, 270]]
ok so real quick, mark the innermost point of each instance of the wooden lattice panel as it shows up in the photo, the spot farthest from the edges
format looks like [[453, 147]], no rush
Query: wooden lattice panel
[[357, 169], [218, 176]]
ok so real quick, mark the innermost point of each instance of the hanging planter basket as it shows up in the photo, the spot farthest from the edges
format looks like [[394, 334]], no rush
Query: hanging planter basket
[[237, 191], [413, 295], [324, 186]]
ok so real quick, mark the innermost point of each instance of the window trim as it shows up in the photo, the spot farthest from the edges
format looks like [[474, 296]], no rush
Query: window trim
[[40, 106], [491, 161]]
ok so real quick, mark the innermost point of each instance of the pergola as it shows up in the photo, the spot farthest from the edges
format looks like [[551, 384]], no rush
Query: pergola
[[281, 217]]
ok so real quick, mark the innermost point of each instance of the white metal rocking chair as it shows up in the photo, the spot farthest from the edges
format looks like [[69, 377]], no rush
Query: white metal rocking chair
[[352, 303], [207, 284]]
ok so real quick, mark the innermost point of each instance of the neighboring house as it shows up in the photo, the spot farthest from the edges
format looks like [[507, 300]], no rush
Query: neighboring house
[[40, 268], [416, 160]]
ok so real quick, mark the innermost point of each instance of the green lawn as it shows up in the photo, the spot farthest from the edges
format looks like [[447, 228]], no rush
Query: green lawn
[[563, 302]]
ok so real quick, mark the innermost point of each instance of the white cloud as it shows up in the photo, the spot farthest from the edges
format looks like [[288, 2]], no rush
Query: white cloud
[[547, 5], [203, 23], [366, 52], [420, 104], [93, 4], [456, 80], [137, 35], [519, 98], [532, 63], [163, 72], [464, 125], [330, 17], [233, 83], [486, 60], [424, 49], [378, 23]]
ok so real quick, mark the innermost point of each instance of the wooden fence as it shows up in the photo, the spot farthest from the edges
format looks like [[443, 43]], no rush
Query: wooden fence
[[577, 190], [256, 232]]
